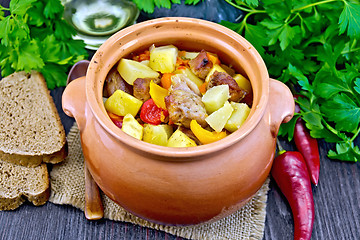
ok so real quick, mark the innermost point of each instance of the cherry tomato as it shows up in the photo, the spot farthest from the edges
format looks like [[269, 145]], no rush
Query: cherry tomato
[[151, 113]]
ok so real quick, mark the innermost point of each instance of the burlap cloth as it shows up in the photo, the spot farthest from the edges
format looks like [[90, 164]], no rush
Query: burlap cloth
[[68, 187]]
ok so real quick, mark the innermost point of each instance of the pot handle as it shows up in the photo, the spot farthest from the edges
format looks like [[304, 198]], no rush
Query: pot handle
[[281, 105], [74, 101]]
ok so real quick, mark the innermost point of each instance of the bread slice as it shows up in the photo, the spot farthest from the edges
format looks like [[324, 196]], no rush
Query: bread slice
[[31, 131], [18, 183]]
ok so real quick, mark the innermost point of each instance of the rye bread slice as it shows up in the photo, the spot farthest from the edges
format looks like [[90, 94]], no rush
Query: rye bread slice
[[31, 131], [18, 183]]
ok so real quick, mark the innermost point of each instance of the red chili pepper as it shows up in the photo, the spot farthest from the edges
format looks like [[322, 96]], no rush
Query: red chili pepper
[[308, 147], [151, 113], [290, 173]]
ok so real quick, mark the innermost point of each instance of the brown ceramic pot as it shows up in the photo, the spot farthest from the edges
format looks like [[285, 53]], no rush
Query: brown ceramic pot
[[179, 186]]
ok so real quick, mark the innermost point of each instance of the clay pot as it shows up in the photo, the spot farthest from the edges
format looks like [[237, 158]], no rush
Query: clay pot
[[179, 186]]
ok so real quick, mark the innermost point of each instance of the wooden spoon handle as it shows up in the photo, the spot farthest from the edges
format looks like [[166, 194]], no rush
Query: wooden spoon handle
[[94, 209]]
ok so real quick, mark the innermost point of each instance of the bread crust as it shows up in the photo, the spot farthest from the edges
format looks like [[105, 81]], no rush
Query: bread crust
[[7, 204], [34, 161], [53, 148], [31, 135], [13, 195], [10, 203]]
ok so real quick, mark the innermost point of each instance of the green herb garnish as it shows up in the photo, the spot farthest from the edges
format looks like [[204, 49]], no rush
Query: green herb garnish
[[312, 46], [149, 5], [35, 37]]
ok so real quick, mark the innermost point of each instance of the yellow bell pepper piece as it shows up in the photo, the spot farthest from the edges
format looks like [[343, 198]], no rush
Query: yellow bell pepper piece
[[242, 82], [204, 135], [158, 94]]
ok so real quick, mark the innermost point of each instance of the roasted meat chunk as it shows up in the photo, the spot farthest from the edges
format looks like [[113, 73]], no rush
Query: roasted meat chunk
[[114, 82], [181, 81], [142, 88], [222, 78], [183, 106], [201, 65]]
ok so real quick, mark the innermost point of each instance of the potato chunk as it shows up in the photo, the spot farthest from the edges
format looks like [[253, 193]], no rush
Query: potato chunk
[[191, 55], [218, 119], [130, 70], [215, 97], [238, 117], [132, 127], [122, 103], [157, 134], [163, 59], [180, 139]]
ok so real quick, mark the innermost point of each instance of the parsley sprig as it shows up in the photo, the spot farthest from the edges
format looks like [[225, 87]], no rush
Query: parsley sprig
[[149, 5], [313, 47], [35, 37]]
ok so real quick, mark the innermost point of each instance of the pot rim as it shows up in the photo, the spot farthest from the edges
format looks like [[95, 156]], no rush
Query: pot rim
[[94, 94]]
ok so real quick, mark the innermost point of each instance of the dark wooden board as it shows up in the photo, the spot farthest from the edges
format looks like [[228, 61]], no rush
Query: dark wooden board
[[337, 208], [336, 199]]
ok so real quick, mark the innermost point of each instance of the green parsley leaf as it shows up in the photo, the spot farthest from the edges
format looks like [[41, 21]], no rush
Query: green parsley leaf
[[329, 54], [324, 133], [343, 111], [305, 84], [149, 5], [313, 120], [49, 50], [328, 90], [20, 28], [20, 7], [76, 50], [297, 74], [329, 84], [5, 63], [29, 56], [233, 26], [255, 34], [36, 15], [345, 151], [350, 19], [146, 6], [31, 39], [55, 75], [63, 30], [4, 34], [162, 3], [287, 35], [253, 3], [287, 129], [52, 8], [189, 2], [270, 24], [357, 85]]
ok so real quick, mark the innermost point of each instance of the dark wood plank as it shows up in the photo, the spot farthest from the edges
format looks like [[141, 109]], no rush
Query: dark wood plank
[[336, 198], [336, 203], [337, 208], [65, 222]]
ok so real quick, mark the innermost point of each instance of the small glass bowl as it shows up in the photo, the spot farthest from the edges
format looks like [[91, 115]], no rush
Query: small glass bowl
[[96, 20]]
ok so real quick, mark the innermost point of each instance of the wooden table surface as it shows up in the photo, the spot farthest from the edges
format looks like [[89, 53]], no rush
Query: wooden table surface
[[337, 208]]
